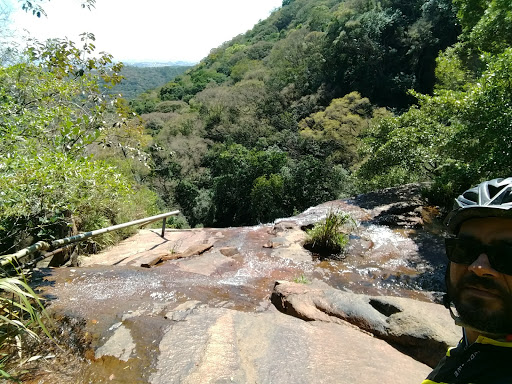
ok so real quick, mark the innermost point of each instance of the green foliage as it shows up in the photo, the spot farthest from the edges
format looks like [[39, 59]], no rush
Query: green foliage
[[58, 101], [339, 126], [53, 108], [486, 24], [401, 38], [301, 280], [267, 197], [297, 62], [325, 238], [145, 102], [407, 148], [230, 114], [303, 84], [235, 171], [40, 192], [311, 181], [36, 10], [456, 137], [172, 91], [137, 80], [485, 117], [451, 73], [194, 81], [21, 316]]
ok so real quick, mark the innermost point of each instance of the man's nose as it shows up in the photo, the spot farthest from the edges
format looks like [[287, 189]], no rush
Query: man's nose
[[482, 267]]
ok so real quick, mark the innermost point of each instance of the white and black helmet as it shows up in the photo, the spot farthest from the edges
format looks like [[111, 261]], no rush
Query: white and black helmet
[[491, 198]]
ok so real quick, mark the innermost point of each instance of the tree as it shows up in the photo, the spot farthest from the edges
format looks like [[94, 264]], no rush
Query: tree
[[48, 107], [339, 126], [53, 107], [410, 147], [486, 24], [267, 195], [37, 10], [383, 49], [234, 172], [296, 61]]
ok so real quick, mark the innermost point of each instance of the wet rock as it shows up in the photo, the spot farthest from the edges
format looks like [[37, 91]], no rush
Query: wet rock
[[181, 312], [293, 252], [119, 345], [383, 197], [422, 330], [289, 244], [208, 318], [403, 214], [402, 206], [205, 265], [283, 226]]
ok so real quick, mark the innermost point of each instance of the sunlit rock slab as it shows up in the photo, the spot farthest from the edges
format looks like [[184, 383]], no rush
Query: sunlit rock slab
[[421, 329], [214, 345]]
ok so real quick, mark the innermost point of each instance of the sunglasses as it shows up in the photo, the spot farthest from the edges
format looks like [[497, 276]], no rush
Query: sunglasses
[[466, 251]]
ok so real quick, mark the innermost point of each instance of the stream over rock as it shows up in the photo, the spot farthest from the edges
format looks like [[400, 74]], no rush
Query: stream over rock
[[209, 317]]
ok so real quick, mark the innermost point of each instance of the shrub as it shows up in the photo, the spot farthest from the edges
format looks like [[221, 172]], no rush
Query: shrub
[[41, 195], [325, 238]]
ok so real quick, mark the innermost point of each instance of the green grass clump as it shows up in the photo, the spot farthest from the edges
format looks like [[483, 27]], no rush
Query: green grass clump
[[301, 279], [21, 313], [326, 239]]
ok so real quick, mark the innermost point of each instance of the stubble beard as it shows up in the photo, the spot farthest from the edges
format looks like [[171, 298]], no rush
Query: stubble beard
[[474, 311]]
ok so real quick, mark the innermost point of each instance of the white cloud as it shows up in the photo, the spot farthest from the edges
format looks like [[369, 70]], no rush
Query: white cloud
[[150, 30]]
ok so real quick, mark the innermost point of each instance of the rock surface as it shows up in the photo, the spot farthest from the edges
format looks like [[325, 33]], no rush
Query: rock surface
[[209, 317], [221, 345], [422, 330]]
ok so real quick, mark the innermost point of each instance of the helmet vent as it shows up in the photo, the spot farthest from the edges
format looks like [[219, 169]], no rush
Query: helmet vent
[[471, 195], [493, 191]]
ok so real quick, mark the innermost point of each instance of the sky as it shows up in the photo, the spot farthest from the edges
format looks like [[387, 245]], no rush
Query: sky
[[148, 30]]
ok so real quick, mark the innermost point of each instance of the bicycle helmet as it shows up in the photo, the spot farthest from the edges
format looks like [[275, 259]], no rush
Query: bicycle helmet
[[491, 198]]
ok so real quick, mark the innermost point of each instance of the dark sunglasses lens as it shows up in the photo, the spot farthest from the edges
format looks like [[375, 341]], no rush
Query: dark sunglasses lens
[[460, 251], [501, 259], [465, 251]]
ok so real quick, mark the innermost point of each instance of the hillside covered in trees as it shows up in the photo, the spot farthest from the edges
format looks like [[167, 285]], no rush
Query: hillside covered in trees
[[137, 80], [274, 120], [323, 99]]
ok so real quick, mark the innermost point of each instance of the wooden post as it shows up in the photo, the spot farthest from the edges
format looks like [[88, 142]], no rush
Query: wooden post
[[163, 226]]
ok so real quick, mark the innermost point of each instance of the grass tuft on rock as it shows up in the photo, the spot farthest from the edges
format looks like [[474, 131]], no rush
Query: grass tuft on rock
[[325, 239]]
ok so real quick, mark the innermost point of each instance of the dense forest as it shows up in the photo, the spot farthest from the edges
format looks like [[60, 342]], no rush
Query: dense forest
[[322, 100], [277, 119]]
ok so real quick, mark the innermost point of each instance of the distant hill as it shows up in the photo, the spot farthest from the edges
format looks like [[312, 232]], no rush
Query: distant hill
[[145, 64], [138, 79]]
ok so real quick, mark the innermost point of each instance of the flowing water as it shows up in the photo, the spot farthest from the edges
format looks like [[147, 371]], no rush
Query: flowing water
[[114, 289]]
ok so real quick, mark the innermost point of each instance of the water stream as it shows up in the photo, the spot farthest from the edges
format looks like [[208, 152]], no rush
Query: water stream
[[379, 261]]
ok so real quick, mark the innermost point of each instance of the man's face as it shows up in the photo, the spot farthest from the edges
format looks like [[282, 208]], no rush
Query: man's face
[[483, 296]]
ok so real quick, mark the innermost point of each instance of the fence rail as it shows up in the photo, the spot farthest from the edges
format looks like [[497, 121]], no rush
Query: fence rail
[[44, 246]]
